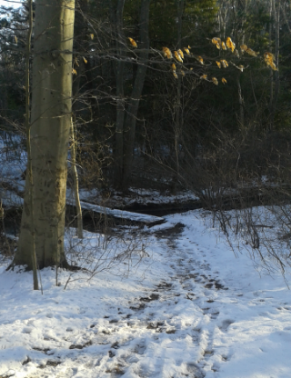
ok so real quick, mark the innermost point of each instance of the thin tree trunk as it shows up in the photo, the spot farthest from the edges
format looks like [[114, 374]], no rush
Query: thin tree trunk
[[29, 159], [76, 184], [241, 104], [117, 18], [177, 127], [271, 11], [277, 47], [50, 130], [81, 45], [131, 113], [178, 114]]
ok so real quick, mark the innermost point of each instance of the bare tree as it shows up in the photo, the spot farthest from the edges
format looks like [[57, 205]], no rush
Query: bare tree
[[50, 130]]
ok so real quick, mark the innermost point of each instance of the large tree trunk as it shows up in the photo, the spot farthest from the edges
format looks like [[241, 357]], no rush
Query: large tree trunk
[[132, 109], [50, 130]]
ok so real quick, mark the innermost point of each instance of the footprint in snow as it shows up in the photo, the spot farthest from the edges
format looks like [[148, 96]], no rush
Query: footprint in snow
[[196, 335], [210, 311], [225, 324], [140, 348], [225, 357], [196, 370], [208, 353], [215, 367]]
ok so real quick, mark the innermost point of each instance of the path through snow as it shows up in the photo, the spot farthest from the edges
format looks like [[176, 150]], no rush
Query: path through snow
[[190, 309]]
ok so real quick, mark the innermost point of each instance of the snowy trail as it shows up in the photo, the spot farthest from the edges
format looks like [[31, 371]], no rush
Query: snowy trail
[[191, 309]]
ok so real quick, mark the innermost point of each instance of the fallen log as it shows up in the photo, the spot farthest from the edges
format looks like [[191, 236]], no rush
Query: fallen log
[[120, 215]]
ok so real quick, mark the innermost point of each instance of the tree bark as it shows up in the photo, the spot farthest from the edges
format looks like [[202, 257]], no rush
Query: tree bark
[[50, 130], [76, 183], [277, 49], [132, 109], [28, 130], [241, 103], [271, 12], [178, 114], [117, 18], [81, 45]]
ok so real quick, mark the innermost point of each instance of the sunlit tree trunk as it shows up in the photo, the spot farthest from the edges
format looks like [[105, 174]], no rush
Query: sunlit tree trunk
[[50, 130]]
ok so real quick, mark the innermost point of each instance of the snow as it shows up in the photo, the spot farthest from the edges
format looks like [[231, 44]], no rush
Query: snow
[[188, 308], [135, 196]]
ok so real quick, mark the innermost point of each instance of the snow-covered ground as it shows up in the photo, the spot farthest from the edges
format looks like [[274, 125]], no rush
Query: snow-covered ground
[[190, 308]]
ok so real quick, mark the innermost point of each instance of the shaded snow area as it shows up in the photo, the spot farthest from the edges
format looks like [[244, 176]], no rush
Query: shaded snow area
[[189, 308]]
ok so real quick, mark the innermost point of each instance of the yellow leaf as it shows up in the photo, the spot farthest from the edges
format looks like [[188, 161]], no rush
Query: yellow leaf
[[224, 63], [204, 77], [191, 69], [269, 57], [173, 66], [74, 72], [219, 64], [241, 67], [223, 46], [214, 80], [85, 60], [167, 53], [216, 41], [189, 47], [243, 47], [230, 44], [182, 73], [178, 57], [92, 36], [200, 59], [186, 51], [224, 81], [15, 39], [132, 42], [180, 52], [76, 61]]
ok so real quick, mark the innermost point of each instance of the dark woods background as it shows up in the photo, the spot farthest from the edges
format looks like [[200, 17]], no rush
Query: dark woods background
[[138, 125]]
